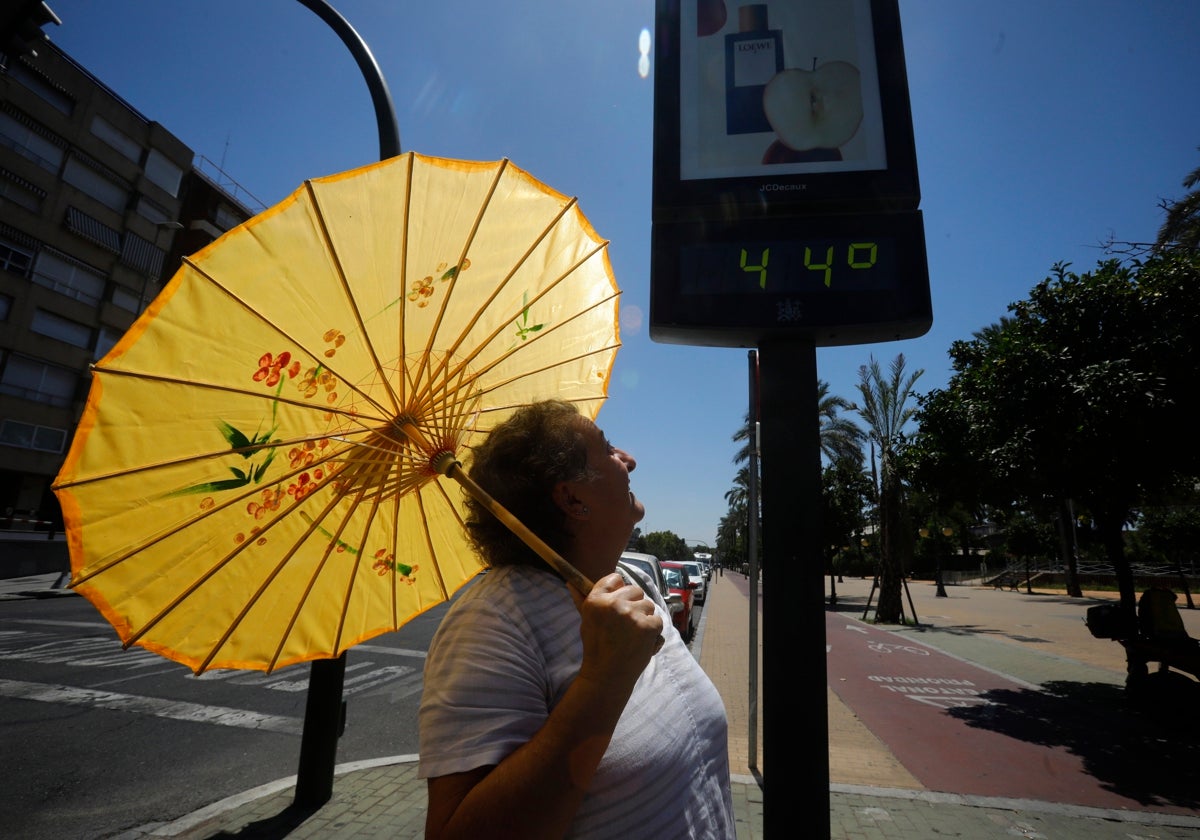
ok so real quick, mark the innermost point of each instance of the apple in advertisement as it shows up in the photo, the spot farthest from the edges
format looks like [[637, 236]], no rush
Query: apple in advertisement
[[815, 109]]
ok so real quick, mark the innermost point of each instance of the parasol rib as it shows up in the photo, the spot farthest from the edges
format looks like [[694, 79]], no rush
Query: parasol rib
[[312, 580], [350, 298], [250, 602], [463, 362], [402, 336], [382, 409], [437, 570], [504, 324], [524, 258], [441, 314], [498, 385], [470, 324]]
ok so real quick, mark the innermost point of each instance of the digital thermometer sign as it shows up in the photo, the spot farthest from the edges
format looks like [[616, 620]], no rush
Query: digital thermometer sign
[[840, 279], [785, 176]]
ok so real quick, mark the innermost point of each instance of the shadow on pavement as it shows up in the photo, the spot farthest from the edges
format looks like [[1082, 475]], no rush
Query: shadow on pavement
[[855, 606], [271, 828], [1148, 753]]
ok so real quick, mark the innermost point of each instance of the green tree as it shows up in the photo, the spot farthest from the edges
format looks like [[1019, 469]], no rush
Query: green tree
[[667, 546], [1181, 228], [1082, 396], [732, 545], [840, 438], [845, 492], [886, 411]]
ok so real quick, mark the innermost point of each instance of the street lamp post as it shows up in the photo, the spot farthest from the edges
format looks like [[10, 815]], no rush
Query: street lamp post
[[937, 558]]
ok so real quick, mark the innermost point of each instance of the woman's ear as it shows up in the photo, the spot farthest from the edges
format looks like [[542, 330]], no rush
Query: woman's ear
[[569, 503]]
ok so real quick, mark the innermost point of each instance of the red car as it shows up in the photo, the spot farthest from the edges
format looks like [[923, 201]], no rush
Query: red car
[[679, 584]]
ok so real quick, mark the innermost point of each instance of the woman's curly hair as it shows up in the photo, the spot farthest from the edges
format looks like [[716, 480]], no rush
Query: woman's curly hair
[[518, 464]]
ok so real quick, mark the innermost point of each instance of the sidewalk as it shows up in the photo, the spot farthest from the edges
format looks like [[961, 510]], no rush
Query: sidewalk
[[1035, 638]]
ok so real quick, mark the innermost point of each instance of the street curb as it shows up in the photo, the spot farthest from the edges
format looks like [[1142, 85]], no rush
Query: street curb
[[1018, 805], [230, 803]]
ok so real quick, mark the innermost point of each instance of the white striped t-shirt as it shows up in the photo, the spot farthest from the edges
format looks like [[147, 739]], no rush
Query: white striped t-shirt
[[504, 655]]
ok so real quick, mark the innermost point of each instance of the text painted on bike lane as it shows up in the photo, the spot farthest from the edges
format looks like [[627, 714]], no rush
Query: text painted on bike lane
[[918, 701]]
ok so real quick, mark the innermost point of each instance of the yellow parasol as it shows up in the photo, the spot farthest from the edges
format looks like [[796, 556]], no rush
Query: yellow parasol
[[253, 482]]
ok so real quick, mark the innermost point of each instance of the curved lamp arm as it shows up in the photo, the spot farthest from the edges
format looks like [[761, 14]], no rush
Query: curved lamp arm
[[381, 97]]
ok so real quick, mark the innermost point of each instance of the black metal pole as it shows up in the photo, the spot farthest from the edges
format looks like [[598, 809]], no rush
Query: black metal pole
[[381, 97], [752, 566], [794, 637], [324, 719], [324, 711]]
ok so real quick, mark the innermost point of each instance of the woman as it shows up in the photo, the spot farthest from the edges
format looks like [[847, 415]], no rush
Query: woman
[[546, 712]]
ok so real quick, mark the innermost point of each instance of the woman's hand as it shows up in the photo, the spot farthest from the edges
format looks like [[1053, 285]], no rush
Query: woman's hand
[[620, 633]]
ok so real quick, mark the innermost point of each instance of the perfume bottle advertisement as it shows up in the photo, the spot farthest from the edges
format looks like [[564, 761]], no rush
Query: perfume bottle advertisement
[[778, 87]]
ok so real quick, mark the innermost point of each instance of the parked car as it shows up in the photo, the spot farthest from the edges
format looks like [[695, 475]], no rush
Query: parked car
[[649, 564], [680, 585], [697, 576]]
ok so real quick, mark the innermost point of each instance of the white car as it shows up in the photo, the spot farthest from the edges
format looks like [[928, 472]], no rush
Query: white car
[[648, 563], [696, 576]]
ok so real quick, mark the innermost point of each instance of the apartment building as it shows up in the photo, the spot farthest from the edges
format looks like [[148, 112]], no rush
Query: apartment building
[[97, 204]]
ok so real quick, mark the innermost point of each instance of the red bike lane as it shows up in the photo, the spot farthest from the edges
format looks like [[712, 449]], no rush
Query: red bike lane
[[906, 694]]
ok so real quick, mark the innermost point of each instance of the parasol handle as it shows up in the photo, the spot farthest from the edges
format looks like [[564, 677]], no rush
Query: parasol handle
[[569, 573], [444, 463]]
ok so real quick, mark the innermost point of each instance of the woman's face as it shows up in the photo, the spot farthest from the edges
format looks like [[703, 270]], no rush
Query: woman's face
[[607, 496]]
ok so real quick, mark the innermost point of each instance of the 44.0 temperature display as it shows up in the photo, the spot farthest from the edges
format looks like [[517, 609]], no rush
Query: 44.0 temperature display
[[782, 267]]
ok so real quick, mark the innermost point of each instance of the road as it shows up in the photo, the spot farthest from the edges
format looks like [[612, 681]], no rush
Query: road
[[98, 739], [963, 728]]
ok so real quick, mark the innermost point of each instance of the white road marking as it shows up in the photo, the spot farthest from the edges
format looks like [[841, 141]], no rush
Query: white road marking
[[102, 625], [106, 652], [172, 709], [857, 629], [420, 654]]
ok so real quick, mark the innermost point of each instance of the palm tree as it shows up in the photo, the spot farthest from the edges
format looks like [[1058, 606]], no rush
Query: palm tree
[[840, 436], [1182, 225], [885, 410], [739, 494]]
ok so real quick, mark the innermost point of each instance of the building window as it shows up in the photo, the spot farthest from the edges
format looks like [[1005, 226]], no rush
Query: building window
[[30, 144], [69, 277], [119, 140], [42, 86], [5, 307], [152, 212], [105, 341], [14, 260], [126, 300], [16, 189], [108, 192], [30, 436], [161, 171], [61, 329], [142, 255], [227, 219], [93, 230], [33, 380]]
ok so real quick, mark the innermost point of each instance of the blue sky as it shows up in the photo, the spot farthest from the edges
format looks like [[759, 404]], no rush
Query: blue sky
[[1043, 129]]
